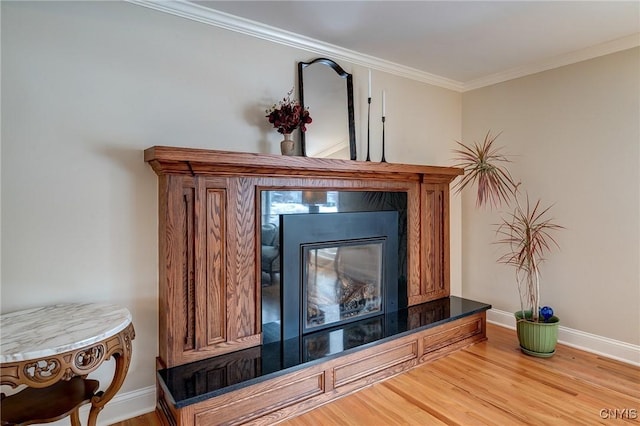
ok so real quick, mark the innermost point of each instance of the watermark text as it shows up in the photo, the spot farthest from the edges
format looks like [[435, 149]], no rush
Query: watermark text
[[619, 413]]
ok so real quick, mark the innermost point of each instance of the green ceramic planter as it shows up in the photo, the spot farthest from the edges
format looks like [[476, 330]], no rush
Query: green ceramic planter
[[537, 338]]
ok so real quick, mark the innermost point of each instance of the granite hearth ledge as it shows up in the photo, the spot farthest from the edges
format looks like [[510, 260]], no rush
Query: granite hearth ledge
[[199, 381]]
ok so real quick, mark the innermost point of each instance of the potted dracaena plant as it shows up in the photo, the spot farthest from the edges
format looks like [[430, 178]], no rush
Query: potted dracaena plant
[[525, 232]]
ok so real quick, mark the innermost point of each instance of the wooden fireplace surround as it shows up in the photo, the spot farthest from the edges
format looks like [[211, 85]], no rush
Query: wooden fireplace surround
[[209, 250]]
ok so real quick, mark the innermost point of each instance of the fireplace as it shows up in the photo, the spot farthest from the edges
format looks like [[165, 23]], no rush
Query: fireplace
[[346, 270], [220, 264], [337, 268]]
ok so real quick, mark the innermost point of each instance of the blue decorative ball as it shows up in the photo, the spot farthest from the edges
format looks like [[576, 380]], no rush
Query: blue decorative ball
[[546, 312]]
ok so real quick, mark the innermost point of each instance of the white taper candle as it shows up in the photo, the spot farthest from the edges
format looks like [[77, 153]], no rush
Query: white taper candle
[[384, 110]]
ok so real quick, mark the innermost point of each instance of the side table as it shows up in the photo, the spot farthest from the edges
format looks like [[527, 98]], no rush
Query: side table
[[51, 350]]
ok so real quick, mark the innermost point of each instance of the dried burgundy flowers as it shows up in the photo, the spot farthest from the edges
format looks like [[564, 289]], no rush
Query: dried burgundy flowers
[[288, 115]]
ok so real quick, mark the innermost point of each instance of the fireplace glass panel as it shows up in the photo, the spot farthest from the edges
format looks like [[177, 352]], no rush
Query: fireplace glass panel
[[342, 283], [277, 203]]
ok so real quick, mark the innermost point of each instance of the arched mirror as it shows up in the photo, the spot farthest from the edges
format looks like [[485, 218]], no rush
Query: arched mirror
[[327, 90]]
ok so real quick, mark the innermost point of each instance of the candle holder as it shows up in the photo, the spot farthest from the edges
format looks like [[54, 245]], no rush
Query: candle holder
[[383, 159], [368, 125]]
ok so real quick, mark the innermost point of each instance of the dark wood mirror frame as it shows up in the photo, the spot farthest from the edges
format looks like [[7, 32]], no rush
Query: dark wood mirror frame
[[349, 80]]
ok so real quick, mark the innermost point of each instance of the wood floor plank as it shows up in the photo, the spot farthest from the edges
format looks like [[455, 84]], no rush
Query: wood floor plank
[[568, 364], [562, 384], [490, 383], [512, 393], [150, 419], [452, 405], [455, 402], [389, 407]]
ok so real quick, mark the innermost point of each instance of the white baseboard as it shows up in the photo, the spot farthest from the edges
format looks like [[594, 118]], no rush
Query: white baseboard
[[122, 407], [588, 342]]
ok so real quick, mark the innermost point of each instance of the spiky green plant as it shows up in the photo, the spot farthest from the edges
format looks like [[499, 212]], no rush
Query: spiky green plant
[[483, 165], [527, 234], [526, 231]]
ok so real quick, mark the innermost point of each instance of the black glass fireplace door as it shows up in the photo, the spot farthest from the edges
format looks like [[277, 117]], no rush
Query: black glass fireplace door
[[337, 268], [341, 282]]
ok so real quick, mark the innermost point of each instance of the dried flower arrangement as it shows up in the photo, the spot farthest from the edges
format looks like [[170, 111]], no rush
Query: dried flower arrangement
[[288, 115]]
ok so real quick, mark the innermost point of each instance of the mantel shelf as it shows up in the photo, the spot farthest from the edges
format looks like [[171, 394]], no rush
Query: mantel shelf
[[176, 160]]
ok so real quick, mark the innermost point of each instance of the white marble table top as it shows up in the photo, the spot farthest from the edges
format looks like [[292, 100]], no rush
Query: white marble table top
[[40, 332]]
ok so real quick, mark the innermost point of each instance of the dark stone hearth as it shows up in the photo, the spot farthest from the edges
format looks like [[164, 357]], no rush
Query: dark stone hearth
[[199, 381]]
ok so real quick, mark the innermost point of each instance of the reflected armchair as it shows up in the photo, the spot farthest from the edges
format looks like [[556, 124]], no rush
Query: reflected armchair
[[270, 254]]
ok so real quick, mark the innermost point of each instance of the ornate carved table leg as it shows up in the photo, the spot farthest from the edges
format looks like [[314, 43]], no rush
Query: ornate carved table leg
[[75, 417], [119, 346]]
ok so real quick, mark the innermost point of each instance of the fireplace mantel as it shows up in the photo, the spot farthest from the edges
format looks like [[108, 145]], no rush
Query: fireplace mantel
[[189, 161]]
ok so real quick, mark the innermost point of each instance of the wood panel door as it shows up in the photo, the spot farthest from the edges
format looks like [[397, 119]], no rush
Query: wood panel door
[[202, 297], [434, 247]]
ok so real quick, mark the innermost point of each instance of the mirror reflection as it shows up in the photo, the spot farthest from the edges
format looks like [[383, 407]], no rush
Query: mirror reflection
[[327, 90]]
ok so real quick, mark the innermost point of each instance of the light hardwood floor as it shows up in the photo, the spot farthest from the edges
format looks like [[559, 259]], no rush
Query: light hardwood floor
[[489, 383]]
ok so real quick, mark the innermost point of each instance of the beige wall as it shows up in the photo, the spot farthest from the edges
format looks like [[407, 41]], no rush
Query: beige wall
[[575, 136], [87, 86]]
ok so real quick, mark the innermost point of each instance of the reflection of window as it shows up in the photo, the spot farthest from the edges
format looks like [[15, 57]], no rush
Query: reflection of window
[[275, 203]]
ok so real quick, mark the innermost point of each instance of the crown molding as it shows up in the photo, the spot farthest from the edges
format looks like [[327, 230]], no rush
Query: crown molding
[[195, 12], [205, 15], [613, 46]]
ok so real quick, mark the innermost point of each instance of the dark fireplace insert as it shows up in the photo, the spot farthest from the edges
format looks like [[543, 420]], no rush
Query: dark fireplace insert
[[337, 268], [346, 275]]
